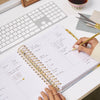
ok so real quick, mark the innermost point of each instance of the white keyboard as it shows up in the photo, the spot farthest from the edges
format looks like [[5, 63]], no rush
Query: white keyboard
[[29, 24]]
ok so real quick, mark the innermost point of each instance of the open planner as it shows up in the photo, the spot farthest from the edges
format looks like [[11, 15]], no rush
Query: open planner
[[46, 58]]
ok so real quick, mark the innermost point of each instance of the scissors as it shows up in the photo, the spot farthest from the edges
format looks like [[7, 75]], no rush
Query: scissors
[[89, 22]]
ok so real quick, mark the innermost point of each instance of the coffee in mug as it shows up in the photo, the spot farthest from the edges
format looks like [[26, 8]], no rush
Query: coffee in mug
[[77, 3]]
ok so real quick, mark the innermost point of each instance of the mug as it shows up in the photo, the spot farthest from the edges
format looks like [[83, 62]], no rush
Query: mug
[[78, 4]]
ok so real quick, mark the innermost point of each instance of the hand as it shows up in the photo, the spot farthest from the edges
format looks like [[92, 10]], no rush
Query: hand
[[85, 49], [51, 94]]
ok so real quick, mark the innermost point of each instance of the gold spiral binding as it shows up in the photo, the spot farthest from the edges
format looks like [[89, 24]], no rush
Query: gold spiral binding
[[38, 67]]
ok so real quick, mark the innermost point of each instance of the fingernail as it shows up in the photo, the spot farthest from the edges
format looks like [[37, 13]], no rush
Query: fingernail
[[42, 92], [39, 97], [46, 89], [50, 86]]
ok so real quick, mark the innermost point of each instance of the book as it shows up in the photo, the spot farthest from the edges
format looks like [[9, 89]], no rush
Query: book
[[50, 55], [52, 58]]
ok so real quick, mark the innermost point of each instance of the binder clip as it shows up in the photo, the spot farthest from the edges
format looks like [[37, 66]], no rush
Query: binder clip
[[26, 3]]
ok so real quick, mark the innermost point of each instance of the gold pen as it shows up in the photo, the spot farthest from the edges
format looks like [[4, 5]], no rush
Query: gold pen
[[87, 40], [71, 34]]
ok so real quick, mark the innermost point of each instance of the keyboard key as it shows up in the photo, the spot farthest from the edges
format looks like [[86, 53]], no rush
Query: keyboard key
[[26, 36], [0, 48], [11, 44]]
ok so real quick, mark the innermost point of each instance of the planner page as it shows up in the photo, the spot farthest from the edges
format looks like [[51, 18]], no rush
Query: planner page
[[17, 80], [54, 49], [8, 90]]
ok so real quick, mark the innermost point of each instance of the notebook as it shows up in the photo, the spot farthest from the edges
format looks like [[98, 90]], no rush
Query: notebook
[[52, 58], [46, 58]]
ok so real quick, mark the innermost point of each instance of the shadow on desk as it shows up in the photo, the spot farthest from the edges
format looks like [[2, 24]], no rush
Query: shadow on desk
[[93, 94]]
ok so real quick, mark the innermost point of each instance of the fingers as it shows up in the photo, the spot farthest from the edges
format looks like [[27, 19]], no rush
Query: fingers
[[53, 89], [44, 95], [93, 42], [84, 49], [57, 97], [81, 40], [50, 94], [55, 93], [39, 98], [62, 97]]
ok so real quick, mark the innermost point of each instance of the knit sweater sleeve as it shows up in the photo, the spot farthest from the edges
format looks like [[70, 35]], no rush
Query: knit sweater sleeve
[[96, 53]]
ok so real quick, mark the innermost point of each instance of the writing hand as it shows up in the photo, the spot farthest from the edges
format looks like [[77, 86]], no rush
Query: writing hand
[[84, 48]]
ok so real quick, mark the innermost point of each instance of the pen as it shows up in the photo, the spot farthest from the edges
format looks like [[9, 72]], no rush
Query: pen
[[71, 34], [87, 40]]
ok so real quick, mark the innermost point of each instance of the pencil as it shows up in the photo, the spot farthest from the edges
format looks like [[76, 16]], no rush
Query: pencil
[[71, 34], [88, 40]]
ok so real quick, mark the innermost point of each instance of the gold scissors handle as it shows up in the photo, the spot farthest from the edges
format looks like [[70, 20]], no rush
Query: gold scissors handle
[[97, 26], [89, 22]]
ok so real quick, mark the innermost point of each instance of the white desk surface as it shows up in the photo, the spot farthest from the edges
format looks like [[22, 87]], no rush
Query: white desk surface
[[93, 78]]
